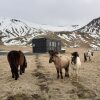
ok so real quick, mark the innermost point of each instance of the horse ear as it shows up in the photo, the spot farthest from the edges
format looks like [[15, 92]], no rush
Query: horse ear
[[20, 51], [72, 53], [56, 52], [51, 52], [77, 54]]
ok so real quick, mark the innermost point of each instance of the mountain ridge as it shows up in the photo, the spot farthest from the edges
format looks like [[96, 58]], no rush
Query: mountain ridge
[[17, 32]]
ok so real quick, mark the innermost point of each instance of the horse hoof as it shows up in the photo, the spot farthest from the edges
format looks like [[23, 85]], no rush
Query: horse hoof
[[61, 77], [65, 75], [16, 78], [68, 76], [57, 77], [20, 73], [12, 76], [23, 72]]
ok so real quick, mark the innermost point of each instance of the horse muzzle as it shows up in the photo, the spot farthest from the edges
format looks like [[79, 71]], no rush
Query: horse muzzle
[[50, 61]]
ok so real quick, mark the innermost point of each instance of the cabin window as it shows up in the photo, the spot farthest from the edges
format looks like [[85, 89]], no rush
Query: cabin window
[[58, 44], [50, 44], [53, 44]]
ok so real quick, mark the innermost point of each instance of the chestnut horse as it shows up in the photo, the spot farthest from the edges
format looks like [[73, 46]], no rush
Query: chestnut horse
[[16, 59], [59, 62]]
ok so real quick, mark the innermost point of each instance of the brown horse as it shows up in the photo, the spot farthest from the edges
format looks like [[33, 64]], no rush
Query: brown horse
[[59, 62], [16, 59]]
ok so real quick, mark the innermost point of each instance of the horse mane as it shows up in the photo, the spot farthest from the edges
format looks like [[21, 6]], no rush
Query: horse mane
[[53, 52], [75, 54], [20, 51]]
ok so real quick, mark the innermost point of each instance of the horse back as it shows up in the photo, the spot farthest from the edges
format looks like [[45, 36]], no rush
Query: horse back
[[65, 61]]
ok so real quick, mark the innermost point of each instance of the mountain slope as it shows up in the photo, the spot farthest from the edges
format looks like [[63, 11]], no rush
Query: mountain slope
[[16, 32], [88, 35], [92, 28]]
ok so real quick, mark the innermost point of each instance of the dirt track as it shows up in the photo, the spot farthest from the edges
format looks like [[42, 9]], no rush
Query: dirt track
[[39, 81]]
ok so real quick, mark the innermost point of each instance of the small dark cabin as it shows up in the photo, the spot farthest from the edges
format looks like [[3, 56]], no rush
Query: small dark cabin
[[42, 45]]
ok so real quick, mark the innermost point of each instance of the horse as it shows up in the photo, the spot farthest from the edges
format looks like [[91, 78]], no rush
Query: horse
[[16, 59], [59, 62], [76, 62], [87, 55]]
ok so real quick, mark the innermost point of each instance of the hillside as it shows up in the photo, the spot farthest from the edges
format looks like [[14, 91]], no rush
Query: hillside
[[88, 35], [17, 32]]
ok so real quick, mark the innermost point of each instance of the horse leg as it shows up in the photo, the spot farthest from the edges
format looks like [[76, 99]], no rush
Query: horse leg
[[12, 71], [85, 58], [77, 73], [66, 72], [16, 73], [57, 72], [20, 69], [23, 69], [89, 58], [77, 76], [61, 73]]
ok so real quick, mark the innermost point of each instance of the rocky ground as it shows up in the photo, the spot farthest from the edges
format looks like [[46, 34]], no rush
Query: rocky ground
[[39, 82]]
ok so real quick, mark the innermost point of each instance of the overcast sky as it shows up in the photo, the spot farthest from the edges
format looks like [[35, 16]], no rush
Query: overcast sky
[[51, 12]]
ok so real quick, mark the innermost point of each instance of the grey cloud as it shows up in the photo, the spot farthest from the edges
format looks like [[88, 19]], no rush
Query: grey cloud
[[52, 12]]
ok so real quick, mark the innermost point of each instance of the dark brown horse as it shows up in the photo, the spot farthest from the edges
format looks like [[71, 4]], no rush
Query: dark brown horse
[[16, 59]]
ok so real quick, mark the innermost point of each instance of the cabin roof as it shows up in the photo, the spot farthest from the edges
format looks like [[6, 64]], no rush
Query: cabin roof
[[45, 38]]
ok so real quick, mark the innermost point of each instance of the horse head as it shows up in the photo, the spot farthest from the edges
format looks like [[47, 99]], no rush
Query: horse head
[[73, 57], [52, 54]]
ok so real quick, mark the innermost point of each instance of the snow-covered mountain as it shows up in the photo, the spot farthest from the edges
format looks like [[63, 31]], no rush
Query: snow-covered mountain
[[17, 32], [92, 28], [13, 31], [88, 35], [92, 32]]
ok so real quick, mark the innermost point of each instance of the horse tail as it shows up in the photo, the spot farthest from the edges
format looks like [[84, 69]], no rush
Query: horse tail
[[85, 59], [12, 61]]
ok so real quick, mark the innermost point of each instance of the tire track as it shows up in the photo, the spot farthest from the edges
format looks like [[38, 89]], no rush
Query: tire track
[[43, 79]]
